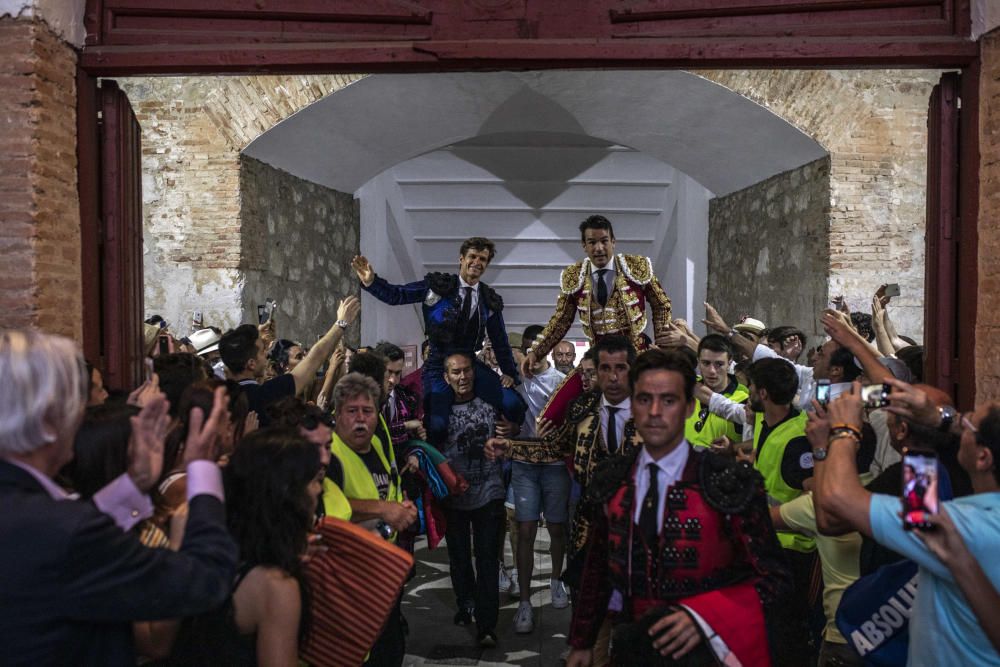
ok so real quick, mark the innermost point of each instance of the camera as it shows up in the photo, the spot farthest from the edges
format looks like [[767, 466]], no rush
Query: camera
[[876, 395]]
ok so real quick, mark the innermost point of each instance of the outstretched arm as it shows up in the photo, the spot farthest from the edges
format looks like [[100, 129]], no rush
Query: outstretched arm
[[385, 291], [553, 332], [321, 351]]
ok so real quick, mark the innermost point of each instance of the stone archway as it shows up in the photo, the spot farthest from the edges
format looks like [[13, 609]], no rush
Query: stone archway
[[873, 124]]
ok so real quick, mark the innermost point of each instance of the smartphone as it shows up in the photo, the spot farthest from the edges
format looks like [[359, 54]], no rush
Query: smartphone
[[875, 395], [164, 344], [823, 392], [197, 319], [920, 488], [892, 290]]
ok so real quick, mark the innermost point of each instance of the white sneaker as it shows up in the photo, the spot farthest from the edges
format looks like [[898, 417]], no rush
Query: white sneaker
[[515, 586], [504, 583], [524, 619], [560, 598]]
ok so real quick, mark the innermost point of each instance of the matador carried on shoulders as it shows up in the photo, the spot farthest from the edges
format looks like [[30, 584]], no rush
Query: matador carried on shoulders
[[609, 292]]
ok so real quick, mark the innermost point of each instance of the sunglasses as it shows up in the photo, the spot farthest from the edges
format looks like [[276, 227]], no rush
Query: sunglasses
[[702, 418], [310, 422]]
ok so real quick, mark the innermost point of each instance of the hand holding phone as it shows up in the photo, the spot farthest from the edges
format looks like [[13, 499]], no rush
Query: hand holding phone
[[823, 392], [920, 488]]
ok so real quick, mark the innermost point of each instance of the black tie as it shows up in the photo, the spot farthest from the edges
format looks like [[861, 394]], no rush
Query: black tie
[[602, 288], [612, 435], [466, 307], [649, 519]]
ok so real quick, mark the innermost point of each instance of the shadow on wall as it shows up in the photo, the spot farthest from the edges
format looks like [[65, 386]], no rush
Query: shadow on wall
[[298, 241], [769, 249]]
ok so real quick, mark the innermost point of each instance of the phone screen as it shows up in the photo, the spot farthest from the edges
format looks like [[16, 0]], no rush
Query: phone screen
[[823, 392], [164, 345], [920, 488]]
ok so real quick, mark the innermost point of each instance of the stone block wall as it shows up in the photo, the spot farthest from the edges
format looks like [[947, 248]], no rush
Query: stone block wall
[[874, 124], [193, 129], [39, 205], [769, 250], [988, 307], [298, 241]]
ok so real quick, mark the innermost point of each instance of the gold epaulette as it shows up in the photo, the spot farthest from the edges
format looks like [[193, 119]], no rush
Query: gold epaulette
[[637, 268], [571, 278]]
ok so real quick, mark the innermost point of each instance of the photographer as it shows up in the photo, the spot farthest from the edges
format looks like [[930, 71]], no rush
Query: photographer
[[842, 501]]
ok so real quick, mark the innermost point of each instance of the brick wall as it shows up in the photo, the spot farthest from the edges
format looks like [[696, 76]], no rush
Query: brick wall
[[193, 129], [39, 208], [988, 309], [298, 240], [874, 124], [768, 249]]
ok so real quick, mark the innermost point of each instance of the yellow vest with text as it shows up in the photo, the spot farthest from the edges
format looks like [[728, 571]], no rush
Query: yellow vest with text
[[768, 463], [714, 426]]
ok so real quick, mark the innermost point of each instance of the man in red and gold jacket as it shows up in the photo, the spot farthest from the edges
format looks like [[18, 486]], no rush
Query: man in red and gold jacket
[[681, 553], [610, 293]]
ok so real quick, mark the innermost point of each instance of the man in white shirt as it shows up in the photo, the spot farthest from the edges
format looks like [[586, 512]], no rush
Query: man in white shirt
[[668, 524]]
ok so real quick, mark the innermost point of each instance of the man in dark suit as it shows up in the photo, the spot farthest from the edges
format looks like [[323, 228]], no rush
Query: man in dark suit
[[460, 312], [71, 581]]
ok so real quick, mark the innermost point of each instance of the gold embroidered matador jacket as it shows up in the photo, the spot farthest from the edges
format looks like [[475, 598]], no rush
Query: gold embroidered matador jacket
[[581, 433], [625, 313]]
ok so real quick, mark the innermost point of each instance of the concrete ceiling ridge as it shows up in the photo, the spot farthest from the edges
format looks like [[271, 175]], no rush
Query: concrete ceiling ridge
[[720, 138]]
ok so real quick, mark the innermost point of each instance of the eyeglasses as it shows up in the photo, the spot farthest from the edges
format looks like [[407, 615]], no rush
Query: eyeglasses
[[702, 418]]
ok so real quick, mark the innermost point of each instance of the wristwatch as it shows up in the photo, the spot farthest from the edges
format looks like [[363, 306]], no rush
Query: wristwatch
[[819, 454], [732, 332], [343, 324], [948, 416]]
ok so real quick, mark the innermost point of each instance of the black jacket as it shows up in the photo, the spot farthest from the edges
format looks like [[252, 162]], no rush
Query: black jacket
[[71, 581]]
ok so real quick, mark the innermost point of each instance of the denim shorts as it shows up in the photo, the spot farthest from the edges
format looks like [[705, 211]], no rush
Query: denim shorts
[[538, 488]]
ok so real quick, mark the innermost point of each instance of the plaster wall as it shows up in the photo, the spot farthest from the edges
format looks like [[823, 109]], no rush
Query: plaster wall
[[63, 17], [987, 332]]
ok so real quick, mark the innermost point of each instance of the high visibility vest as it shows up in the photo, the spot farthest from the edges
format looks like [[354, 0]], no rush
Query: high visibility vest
[[713, 426], [335, 503], [358, 482], [768, 463]]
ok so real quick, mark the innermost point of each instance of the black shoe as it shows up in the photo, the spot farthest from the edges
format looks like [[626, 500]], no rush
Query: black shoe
[[487, 639], [463, 617]]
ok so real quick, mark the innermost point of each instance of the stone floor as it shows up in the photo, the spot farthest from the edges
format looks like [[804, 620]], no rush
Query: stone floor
[[434, 640]]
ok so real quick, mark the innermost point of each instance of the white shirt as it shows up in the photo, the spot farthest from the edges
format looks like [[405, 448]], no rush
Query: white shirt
[[623, 415], [669, 469], [807, 383], [475, 293]]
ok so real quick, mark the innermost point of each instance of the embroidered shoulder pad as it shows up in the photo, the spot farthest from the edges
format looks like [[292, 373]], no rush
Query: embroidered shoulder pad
[[609, 475], [727, 484], [493, 300], [637, 268], [582, 406], [442, 284], [571, 278]]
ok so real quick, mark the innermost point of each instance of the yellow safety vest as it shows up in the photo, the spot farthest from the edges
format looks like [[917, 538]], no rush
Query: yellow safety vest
[[358, 482], [714, 426], [335, 503], [768, 463]]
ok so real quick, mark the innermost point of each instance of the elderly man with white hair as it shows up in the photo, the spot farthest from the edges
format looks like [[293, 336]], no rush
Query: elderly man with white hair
[[71, 580]]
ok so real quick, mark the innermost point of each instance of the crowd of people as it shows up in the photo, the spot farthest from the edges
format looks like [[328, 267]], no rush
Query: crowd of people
[[737, 498]]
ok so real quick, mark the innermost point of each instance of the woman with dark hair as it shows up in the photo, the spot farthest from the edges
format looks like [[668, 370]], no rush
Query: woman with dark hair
[[171, 490], [272, 483]]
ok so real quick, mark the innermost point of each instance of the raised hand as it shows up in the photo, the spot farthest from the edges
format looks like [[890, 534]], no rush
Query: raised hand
[[146, 443], [361, 266], [348, 309], [145, 392], [526, 364], [202, 437], [713, 320]]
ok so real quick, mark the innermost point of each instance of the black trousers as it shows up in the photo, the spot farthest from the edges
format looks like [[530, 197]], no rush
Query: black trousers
[[788, 621], [476, 588]]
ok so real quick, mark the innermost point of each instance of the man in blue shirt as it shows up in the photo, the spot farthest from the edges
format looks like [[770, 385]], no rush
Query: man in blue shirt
[[943, 628]]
